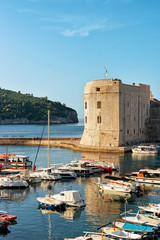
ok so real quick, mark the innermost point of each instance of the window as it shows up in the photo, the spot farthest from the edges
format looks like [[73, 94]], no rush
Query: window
[[99, 119], [85, 119], [85, 105], [97, 89], [127, 131], [134, 131], [127, 104], [134, 119], [98, 104]]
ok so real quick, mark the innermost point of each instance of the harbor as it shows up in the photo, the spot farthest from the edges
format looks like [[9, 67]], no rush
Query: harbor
[[101, 208]]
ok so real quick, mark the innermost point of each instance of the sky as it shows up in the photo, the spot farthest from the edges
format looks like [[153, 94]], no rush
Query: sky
[[54, 48]]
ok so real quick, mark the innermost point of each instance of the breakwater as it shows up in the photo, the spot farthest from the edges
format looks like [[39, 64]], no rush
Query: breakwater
[[70, 143]]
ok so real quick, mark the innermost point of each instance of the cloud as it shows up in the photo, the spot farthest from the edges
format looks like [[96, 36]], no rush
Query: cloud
[[83, 32]]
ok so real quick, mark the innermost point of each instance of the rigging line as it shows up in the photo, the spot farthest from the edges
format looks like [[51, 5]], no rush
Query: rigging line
[[39, 145]]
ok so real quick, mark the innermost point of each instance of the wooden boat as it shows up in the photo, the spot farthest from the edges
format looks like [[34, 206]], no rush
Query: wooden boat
[[148, 176], [71, 198], [50, 203], [145, 149], [7, 217]]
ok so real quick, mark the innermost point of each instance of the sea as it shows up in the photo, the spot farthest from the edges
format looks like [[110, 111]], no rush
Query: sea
[[101, 208]]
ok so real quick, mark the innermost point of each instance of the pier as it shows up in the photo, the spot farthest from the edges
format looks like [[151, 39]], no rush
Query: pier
[[69, 143]]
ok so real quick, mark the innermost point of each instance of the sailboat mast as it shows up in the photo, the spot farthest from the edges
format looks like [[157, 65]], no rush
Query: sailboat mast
[[48, 136]]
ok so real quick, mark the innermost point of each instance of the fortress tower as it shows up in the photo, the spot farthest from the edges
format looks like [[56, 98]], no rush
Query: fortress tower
[[115, 113]]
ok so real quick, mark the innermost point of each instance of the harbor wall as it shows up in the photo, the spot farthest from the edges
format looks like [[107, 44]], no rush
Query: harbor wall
[[69, 143]]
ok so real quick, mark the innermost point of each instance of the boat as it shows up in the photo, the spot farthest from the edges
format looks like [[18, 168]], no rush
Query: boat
[[145, 149], [12, 182], [143, 218], [112, 232], [137, 228], [16, 161], [105, 166], [79, 168], [45, 174], [71, 198], [64, 174], [149, 176], [7, 217], [48, 202], [151, 208], [117, 186]]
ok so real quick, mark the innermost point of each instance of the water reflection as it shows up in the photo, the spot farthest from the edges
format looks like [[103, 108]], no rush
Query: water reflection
[[70, 213], [13, 194]]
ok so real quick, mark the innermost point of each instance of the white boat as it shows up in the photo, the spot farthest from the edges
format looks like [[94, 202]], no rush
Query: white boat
[[45, 174], [117, 186], [71, 198], [149, 176], [143, 218], [63, 174], [79, 168], [90, 236], [48, 202], [11, 182], [145, 149], [105, 166], [151, 208]]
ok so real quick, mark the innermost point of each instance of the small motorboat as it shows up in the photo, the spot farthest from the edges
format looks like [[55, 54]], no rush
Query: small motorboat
[[12, 182], [71, 198], [116, 186], [145, 149], [45, 174], [7, 217], [151, 208], [148, 176], [48, 202], [137, 228]]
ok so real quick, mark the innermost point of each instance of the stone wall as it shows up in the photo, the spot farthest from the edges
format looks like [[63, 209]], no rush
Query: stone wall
[[153, 123], [115, 113]]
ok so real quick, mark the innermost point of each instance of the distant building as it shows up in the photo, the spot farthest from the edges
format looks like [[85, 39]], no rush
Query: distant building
[[115, 113]]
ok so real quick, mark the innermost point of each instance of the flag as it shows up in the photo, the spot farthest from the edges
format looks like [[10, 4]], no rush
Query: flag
[[105, 71]]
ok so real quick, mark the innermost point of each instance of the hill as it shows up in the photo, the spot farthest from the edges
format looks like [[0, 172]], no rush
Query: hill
[[18, 108]]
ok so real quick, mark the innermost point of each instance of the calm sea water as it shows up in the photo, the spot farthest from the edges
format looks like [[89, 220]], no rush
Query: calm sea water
[[33, 223]]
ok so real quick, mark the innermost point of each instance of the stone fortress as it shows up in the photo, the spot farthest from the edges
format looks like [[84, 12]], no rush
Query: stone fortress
[[115, 113]]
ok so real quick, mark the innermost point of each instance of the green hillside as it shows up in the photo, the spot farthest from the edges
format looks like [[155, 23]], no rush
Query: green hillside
[[15, 105]]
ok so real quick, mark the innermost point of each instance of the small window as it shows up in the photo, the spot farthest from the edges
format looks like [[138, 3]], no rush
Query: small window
[[85, 105], [134, 131], [127, 131], [85, 119], [99, 119], [134, 119], [127, 104], [98, 104], [97, 89]]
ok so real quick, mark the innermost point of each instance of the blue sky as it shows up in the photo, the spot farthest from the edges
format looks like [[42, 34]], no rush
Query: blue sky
[[54, 47]]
